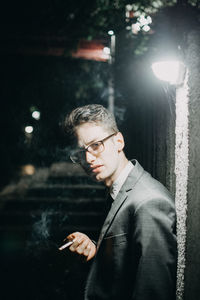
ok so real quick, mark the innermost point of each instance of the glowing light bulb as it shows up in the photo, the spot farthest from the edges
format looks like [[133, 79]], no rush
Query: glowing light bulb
[[29, 129], [36, 114], [110, 32], [172, 71]]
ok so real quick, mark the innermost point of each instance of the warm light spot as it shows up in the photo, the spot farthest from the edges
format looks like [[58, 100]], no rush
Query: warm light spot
[[28, 170]]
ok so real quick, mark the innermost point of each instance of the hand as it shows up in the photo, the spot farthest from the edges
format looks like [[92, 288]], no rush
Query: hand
[[82, 245]]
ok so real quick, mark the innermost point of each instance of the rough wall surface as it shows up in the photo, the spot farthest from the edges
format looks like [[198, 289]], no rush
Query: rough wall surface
[[192, 271], [181, 171]]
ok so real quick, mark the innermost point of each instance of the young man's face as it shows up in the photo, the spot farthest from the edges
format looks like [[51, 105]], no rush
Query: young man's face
[[104, 166]]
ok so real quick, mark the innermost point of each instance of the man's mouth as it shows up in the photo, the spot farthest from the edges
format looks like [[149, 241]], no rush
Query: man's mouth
[[96, 169]]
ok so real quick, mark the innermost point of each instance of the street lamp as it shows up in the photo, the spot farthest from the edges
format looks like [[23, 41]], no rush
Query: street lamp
[[172, 71], [111, 79]]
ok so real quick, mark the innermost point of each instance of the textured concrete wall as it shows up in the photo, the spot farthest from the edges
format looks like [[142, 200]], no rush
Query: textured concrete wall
[[181, 170], [192, 271]]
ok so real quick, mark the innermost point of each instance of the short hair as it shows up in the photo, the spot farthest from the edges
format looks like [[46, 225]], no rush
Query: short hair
[[92, 113]]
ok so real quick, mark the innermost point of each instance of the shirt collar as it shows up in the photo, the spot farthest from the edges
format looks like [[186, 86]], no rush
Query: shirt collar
[[117, 184]]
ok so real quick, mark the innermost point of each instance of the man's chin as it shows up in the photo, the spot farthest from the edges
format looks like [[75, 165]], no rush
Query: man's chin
[[97, 177]]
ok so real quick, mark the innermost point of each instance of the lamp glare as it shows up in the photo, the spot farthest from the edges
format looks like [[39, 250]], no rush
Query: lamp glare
[[167, 71]]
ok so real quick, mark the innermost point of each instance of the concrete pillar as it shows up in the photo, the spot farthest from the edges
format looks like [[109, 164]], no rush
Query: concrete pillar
[[187, 170], [192, 269]]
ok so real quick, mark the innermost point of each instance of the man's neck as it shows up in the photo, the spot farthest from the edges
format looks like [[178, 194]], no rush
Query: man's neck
[[122, 164]]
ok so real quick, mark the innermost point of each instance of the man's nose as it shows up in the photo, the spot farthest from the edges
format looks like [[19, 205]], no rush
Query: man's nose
[[89, 157]]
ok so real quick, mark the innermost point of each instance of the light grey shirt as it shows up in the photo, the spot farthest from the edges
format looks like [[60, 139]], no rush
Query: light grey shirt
[[117, 184]]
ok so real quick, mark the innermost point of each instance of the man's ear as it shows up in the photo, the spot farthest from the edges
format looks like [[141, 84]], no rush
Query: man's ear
[[119, 139]]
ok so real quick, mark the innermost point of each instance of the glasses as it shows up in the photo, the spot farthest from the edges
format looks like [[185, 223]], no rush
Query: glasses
[[95, 148]]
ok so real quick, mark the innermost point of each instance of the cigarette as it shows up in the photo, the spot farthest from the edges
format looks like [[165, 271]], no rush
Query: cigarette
[[66, 245]]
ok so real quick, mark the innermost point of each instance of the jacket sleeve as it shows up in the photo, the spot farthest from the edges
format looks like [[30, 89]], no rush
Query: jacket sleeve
[[154, 239]]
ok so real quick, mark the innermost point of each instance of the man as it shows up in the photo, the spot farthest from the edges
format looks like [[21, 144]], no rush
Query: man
[[135, 256]]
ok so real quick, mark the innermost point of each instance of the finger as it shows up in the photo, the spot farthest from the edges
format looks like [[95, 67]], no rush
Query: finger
[[86, 251], [68, 238], [76, 242], [72, 236], [81, 248]]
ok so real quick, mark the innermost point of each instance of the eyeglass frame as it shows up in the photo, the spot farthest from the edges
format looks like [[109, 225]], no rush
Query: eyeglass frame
[[87, 148]]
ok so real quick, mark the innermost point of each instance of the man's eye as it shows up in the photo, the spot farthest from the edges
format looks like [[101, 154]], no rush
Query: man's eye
[[95, 146]]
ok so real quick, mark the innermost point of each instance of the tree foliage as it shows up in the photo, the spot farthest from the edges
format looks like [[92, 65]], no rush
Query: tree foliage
[[73, 18]]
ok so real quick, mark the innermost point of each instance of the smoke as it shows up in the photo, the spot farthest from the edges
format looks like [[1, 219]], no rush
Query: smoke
[[61, 154], [46, 229], [119, 114], [47, 268], [41, 229]]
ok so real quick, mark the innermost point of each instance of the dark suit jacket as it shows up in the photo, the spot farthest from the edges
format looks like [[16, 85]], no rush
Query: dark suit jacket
[[136, 252]]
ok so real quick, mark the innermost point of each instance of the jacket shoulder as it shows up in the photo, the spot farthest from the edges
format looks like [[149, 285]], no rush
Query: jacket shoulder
[[147, 189]]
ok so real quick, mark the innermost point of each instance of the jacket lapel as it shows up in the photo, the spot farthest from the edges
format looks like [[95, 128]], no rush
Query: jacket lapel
[[129, 184]]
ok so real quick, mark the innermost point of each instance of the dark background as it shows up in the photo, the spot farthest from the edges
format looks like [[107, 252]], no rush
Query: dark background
[[39, 210]]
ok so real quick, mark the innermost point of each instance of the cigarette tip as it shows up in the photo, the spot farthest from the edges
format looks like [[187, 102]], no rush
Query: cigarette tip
[[65, 245]]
